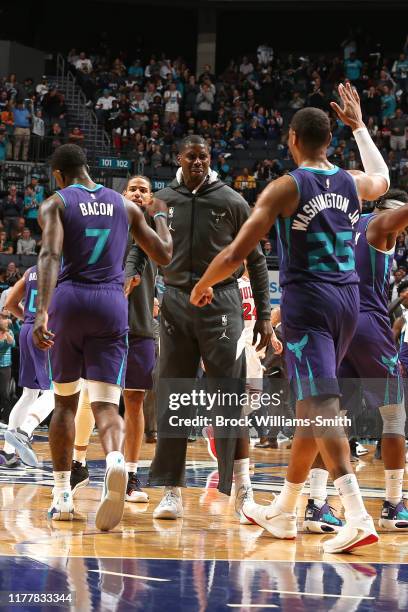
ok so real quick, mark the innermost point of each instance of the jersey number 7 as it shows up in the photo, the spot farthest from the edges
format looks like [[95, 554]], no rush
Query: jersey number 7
[[102, 236]]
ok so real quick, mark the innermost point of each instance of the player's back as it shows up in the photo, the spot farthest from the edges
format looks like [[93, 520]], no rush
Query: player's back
[[30, 295], [374, 269], [317, 242], [95, 225]]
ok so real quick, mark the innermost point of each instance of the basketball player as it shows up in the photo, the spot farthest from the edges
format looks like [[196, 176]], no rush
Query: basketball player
[[372, 355], [88, 224], [31, 408], [140, 281], [204, 216], [316, 207]]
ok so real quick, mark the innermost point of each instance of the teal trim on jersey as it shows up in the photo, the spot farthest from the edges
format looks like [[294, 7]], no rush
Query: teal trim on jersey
[[400, 396], [299, 384], [62, 198], [373, 254], [296, 181], [79, 186], [279, 237], [320, 170], [313, 389], [287, 222], [385, 271]]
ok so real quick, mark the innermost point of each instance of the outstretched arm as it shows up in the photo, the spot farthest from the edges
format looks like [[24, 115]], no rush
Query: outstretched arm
[[14, 297], [158, 244], [48, 266], [375, 180], [279, 196], [388, 222]]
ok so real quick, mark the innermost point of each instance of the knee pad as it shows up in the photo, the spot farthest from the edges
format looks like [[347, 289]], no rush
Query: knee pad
[[393, 417], [103, 392], [66, 389]]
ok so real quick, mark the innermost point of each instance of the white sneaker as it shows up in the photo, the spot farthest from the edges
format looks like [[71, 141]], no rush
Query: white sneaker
[[244, 494], [356, 533], [110, 510], [361, 450], [170, 506], [62, 507], [283, 441], [280, 524]]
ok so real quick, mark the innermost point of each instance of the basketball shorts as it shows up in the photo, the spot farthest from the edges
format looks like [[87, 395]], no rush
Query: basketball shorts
[[90, 323], [318, 324], [373, 358], [34, 370], [141, 360]]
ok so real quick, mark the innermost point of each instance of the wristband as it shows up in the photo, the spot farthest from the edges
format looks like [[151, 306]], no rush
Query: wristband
[[160, 214]]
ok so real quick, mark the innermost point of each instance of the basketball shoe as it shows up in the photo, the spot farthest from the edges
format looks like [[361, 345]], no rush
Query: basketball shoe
[[110, 510], [320, 520], [134, 491], [170, 506], [79, 476], [281, 525], [10, 461], [62, 507], [356, 533], [22, 443], [394, 518]]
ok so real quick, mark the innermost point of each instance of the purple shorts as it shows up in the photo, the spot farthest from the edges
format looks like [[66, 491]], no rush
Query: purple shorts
[[372, 356], [140, 363], [318, 324], [34, 370], [90, 323]]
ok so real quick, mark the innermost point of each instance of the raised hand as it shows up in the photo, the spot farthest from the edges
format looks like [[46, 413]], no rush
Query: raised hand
[[350, 114]]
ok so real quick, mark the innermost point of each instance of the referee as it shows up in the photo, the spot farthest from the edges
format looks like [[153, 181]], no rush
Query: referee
[[204, 216]]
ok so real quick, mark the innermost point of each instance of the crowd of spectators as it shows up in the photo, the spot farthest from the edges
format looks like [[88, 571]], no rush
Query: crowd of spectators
[[243, 112], [33, 119], [148, 106]]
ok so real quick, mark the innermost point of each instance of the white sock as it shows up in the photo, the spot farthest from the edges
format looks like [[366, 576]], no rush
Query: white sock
[[241, 474], [42, 407], [80, 456], [318, 486], [114, 458], [61, 481], [131, 467], [288, 497], [350, 495], [393, 485]]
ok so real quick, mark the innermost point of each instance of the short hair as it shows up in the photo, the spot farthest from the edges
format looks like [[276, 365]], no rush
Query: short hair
[[139, 176], [190, 141], [312, 126], [403, 286], [67, 158], [392, 194]]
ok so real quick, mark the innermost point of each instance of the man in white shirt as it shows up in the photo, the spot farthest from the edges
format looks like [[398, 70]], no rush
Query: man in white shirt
[[104, 105], [83, 64]]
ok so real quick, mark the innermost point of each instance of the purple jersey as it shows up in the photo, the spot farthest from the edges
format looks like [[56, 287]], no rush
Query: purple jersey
[[30, 297], [374, 269], [95, 235], [317, 242]]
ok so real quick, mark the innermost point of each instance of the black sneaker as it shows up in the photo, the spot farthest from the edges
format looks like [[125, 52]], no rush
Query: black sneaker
[[79, 476], [134, 491], [377, 454]]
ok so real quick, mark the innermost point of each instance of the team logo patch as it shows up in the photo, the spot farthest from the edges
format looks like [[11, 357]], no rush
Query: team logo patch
[[218, 216], [171, 212], [224, 320], [297, 347]]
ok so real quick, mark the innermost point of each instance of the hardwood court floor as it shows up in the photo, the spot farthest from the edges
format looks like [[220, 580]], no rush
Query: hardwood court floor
[[209, 529]]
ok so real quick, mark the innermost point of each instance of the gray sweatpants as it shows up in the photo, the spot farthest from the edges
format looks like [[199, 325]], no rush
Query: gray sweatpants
[[188, 333]]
